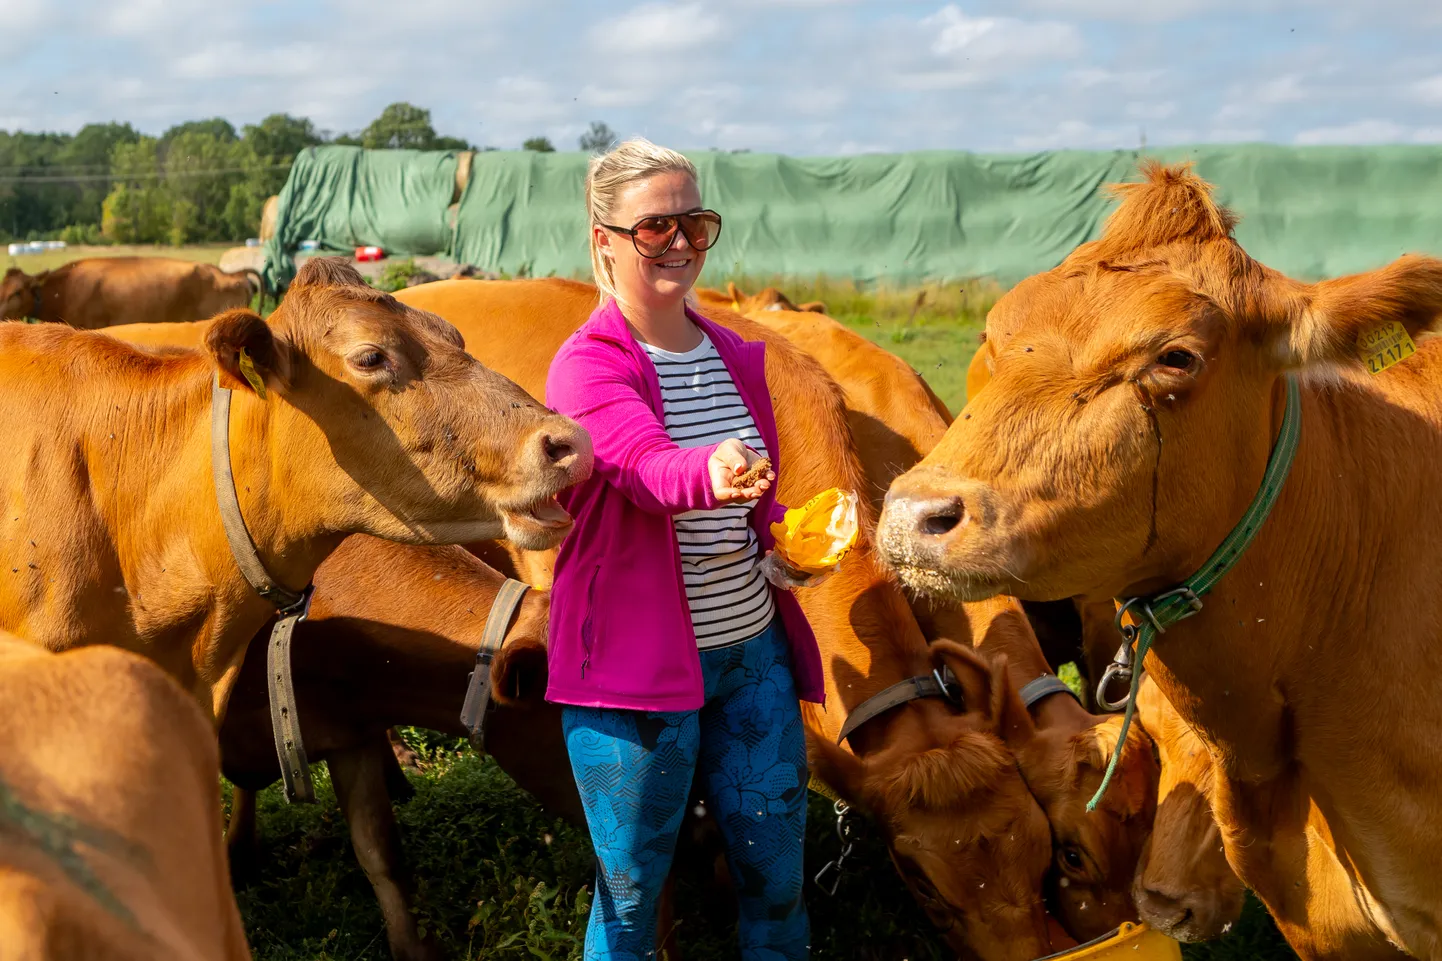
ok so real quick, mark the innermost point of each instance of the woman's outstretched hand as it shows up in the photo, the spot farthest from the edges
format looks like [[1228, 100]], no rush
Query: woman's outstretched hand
[[730, 460]]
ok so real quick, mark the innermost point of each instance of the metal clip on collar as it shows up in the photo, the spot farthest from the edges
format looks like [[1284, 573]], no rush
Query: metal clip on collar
[[843, 834]]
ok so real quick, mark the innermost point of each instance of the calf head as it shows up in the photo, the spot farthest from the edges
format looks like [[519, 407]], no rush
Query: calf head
[[1134, 394], [967, 837], [1063, 755], [1184, 886], [1095, 852], [423, 444], [17, 294]]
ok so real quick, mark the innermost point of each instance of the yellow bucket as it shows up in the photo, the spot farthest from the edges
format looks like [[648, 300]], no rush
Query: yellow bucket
[[1130, 942]]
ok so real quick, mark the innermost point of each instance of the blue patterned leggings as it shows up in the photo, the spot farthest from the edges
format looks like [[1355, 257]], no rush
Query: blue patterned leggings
[[634, 770]]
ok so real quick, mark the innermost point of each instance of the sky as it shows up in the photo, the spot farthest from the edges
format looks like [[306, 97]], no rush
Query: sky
[[793, 76]]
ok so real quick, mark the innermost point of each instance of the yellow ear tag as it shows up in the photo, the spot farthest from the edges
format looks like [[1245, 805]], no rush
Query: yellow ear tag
[[247, 368], [1385, 346]]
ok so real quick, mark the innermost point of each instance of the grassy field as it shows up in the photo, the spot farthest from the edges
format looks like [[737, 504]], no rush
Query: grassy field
[[35, 263], [499, 879]]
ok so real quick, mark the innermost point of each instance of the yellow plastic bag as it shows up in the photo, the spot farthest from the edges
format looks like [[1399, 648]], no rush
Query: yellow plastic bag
[[815, 537]]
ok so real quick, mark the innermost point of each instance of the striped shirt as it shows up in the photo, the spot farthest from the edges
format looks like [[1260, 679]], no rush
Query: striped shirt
[[729, 598]]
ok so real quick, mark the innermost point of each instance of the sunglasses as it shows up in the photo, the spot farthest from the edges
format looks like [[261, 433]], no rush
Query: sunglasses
[[655, 235]]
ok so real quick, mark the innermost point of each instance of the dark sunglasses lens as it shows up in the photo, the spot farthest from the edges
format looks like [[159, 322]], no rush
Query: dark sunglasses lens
[[653, 235], [701, 229]]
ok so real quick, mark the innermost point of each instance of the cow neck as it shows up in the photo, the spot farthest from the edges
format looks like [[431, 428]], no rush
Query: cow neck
[[1153, 614], [1297, 606], [284, 547], [862, 668]]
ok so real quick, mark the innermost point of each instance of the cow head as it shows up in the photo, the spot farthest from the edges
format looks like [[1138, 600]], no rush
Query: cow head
[[1134, 395], [17, 294], [967, 837], [768, 298], [1184, 886], [1094, 852], [430, 446], [1063, 752]]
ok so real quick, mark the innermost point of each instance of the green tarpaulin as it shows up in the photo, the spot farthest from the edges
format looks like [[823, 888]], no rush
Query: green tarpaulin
[[344, 197], [936, 215]]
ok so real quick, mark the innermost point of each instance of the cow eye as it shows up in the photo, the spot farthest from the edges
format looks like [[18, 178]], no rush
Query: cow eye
[[1183, 360], [369, 360], [1071, 858]]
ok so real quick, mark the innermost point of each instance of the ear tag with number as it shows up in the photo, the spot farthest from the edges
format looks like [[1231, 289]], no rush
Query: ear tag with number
[[1384, 346], [247, 368]]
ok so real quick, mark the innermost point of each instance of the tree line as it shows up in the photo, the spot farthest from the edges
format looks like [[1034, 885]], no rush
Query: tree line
[[199, 182]]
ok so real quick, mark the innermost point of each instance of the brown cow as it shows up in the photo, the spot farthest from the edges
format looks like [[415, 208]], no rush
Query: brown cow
[[373, 419], [110, 842], [1056, 482], [104, 291], [1185, 887], [938, 780], [392, 635]]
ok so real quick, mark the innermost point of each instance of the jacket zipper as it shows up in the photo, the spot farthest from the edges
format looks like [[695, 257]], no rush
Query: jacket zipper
[[588, 630]]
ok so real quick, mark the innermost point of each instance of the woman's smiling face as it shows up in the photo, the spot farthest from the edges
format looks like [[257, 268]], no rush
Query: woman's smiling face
[[654, 282]]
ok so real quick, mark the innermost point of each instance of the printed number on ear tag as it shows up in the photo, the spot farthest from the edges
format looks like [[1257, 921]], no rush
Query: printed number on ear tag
[[1385, 346], [247, 367]]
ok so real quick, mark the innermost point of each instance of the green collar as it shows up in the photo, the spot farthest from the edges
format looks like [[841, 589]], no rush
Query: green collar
[[1157, 612]]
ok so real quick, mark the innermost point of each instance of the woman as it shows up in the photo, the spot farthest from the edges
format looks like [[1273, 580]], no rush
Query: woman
[[675, 644]]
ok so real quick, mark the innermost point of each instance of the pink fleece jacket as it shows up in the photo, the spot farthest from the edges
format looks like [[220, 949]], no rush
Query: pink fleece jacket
[[621, 633]]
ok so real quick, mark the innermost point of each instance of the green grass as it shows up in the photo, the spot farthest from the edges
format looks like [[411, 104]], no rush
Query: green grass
[[499, 879]]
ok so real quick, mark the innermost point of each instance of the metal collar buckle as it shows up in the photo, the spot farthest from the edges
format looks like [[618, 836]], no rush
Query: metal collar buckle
[[301, 608]]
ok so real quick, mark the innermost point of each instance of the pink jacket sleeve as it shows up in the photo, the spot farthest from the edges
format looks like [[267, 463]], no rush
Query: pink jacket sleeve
[[633, 451]]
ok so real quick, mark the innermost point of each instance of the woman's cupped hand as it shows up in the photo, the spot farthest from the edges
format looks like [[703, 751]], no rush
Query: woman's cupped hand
[[729, 461]]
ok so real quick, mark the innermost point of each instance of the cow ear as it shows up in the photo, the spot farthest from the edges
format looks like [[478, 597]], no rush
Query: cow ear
[[839, 769], [1133, 791], [987, 690], [247, 353], [813, 307], [1365, 320]]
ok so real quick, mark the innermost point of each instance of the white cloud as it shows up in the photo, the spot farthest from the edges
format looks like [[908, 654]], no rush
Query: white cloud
[[1163, 110], [802, 76], [1287, 88], [999, 39], [659, 28], [1429, 90]]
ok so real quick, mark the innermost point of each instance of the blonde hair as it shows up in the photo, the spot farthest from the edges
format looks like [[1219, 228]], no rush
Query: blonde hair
[[606, 176]]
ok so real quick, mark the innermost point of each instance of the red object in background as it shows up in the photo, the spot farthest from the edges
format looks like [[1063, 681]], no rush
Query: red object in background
[[363, 254]]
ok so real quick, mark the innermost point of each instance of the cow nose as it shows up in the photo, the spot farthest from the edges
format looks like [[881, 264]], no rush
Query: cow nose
[[565, 448], [1162, 911], [558, 450], [928, 516]]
